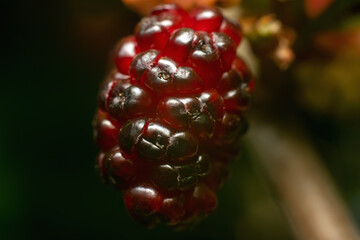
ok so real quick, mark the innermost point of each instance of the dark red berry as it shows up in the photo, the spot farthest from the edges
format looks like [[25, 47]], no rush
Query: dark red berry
[[173, 112], [182, 145], [236, 87], [134, 101], [231, 127], [152, 143], [232, 29], [165, 77], [170, 114], [225, 47], [212, 103], [106, 131], [100, 167], [201, 201], [125, 52], [142, 61], [180, 44], [108, 85], [173, 209], [143, 199], [172, 9], [129, 135], [120, 169], [219, 172], [206, 19], [205, 59], [154, 31]]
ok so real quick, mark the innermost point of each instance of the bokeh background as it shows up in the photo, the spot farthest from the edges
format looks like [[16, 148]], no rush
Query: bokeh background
[[55, 54]]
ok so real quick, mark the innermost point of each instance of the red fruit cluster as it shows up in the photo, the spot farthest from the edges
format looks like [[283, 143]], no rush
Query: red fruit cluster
[[170, 114]]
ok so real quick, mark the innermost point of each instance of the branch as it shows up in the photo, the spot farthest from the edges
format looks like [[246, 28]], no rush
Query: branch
[[304, 188]]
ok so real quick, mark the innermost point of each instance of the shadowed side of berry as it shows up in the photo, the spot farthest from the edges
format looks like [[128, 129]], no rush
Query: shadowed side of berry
[[201, 201], [143, 199], [120, 169], [165, 176], [232, 126], [172, 209], [203, 165], [240, 66], [236, 87], [106, 131], [104, 93], [219, 172], [100, 167], [238, 99]]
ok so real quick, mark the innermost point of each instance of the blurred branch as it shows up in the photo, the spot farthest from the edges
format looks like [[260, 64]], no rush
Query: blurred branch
[[305, 189]]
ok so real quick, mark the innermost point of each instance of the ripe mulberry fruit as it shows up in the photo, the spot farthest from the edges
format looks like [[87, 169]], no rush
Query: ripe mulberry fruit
[[170, 113]]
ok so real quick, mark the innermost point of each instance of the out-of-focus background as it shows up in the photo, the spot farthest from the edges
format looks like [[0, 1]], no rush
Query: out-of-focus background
[[55, 54]]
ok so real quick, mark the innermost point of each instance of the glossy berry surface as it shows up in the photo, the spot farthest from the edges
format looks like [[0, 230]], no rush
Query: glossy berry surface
[[170, 113]]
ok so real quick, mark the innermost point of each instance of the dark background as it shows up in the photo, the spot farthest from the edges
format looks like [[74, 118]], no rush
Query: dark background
[[53, 56]]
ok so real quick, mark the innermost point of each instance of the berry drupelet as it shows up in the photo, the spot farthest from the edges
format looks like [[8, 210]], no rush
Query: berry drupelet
[[171, 112]]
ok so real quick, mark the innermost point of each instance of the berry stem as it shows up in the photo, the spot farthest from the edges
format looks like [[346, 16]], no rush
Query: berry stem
[[304, 188]]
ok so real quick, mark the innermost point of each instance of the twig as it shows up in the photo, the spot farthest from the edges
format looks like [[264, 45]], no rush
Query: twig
[[304, 188]]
